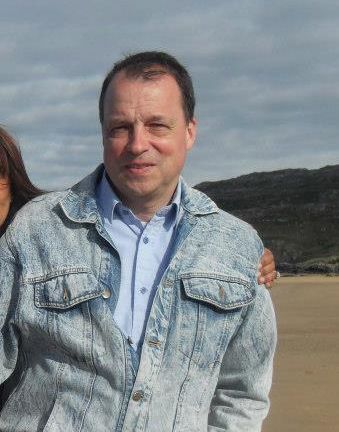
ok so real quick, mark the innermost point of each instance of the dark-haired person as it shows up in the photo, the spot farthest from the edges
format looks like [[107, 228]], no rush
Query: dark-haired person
[[130, 302], [5, 203], [16, 189]]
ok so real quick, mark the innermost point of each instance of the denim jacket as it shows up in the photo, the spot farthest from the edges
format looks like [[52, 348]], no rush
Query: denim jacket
[[206, 360]]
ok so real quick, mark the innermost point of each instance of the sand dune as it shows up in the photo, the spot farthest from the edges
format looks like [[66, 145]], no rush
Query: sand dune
[[305, 391]]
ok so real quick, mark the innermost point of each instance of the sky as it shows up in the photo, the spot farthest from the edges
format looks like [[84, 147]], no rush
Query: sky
[[266, 76]]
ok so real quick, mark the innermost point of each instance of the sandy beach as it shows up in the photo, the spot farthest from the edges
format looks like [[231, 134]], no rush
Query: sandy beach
[[305, 391]]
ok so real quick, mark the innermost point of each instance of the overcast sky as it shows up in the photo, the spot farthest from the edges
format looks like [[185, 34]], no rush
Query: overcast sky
[[266, 75]]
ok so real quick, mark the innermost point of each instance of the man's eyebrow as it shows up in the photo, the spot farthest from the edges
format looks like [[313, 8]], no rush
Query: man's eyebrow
[[117, 119], [120, 119], [159, 118]]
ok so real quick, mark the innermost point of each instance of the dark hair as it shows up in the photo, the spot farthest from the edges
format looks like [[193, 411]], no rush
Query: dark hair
[[12, 166], [150, 65]]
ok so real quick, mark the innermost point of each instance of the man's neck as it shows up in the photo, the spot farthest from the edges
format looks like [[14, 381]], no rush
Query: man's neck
[[143, 211], [144, 208]]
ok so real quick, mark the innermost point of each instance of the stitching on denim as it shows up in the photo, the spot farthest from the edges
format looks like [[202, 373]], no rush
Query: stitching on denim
[[230, 305], [225, 306], [125, 397], [214, 276], [186, 381], [59, 272], [92, 367], [65, 305]]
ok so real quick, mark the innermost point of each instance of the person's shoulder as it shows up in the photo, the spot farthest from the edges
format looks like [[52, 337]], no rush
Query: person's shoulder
[[230, 221], [220, 218], [40, 208], [42, 203], [239, 231], [217, 222], [31, 220]]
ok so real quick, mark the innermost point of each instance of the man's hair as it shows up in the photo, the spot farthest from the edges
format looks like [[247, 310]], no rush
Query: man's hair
[[150, 65]]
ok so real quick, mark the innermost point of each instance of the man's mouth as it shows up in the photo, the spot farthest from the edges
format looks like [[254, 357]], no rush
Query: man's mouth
[[139, 167]]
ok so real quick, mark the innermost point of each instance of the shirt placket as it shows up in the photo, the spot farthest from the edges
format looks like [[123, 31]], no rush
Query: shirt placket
[[144, 276]]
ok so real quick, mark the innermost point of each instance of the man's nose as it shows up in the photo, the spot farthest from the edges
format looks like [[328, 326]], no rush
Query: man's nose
[[138, 142]]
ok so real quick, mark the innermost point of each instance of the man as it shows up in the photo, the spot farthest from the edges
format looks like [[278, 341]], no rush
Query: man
[[130, 302]]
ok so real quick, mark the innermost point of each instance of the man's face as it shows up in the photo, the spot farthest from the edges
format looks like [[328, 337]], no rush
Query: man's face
[[145, 137]]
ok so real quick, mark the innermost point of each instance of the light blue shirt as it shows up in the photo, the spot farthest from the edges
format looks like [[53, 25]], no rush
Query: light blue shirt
[[144, 249]]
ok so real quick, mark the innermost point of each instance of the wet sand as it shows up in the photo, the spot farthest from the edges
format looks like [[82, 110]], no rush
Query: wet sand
[[305, 391]]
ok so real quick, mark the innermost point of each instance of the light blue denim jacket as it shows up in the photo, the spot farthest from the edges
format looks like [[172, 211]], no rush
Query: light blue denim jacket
[[206, 361]]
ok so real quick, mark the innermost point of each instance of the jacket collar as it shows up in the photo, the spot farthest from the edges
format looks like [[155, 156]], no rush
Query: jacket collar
[[196, 202], [80, 204]]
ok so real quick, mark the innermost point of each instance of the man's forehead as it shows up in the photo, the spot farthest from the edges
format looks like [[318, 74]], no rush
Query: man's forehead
[[160, 95], [124, 90]]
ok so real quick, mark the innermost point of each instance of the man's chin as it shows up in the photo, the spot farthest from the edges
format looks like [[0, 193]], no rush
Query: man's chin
[[138, 172], [137, 188]]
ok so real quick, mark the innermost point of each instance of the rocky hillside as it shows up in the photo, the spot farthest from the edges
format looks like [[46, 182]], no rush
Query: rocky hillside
[[295, 211]]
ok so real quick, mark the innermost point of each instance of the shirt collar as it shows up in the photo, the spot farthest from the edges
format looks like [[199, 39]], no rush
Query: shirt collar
[[106, 198], [107, 201], [79, 204]]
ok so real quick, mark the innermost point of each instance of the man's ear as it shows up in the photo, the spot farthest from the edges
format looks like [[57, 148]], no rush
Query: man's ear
[[102, 132], [191, 133]]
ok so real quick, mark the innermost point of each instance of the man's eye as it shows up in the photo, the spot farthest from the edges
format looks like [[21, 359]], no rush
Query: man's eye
[[118, 130], [158, 127]]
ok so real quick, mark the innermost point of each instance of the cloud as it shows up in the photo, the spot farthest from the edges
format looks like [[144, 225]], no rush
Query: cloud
[[265, 74]]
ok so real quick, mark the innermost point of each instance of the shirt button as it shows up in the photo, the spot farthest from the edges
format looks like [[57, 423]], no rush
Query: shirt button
[[106, 293], [143, 290], [145, 240], [138, 395]]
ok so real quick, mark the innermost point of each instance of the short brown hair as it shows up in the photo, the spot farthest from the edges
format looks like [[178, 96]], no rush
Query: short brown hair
[[150, 65]]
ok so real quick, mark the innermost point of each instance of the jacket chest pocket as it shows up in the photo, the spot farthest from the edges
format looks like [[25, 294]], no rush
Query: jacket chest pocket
[[68, 301], [210, 312]]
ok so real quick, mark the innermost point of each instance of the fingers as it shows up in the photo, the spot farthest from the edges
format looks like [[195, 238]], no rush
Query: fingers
[[267, 273], [267, 258], [268, 269], [270, 279]]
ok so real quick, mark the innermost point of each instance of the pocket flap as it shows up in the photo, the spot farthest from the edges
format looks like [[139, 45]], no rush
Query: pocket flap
[[66, 288], [223, 291]]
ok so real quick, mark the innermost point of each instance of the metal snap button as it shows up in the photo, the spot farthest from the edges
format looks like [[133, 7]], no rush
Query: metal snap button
[[221, 292], [106, 293], [154, 343], [138, 395]]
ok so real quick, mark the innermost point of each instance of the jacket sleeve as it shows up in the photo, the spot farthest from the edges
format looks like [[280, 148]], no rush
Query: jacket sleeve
[[240, 401], [9, 287]]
